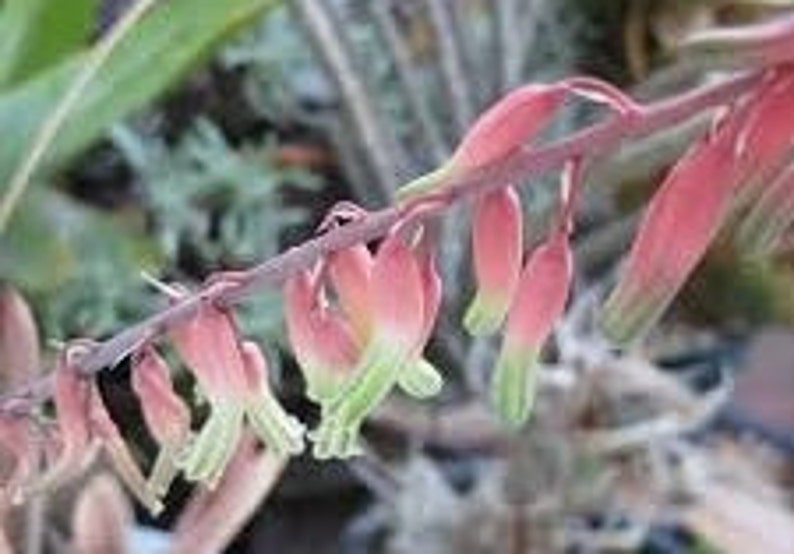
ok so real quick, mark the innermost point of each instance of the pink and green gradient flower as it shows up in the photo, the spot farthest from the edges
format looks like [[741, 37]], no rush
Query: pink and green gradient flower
[[539, 302], [209, 345], [513, 122], [398, 315], [420, 378], [322, 342], [166, 415], [497, 245], [104, 429], [680, 222]]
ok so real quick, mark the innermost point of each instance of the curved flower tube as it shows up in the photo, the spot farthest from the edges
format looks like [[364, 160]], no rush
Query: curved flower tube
[[680, 222], [322, 342], [398, 313], [497, 245], [539, 302], [209, 345], [166, 415]]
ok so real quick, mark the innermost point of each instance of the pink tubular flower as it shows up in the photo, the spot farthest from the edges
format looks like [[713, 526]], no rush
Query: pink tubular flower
[[680, 222], [398, 315], [111, 441], [539, 302], [497, 238], [322, 342], [268, 419], [515, 120], [419, 377], [165, 413], [209, 345]]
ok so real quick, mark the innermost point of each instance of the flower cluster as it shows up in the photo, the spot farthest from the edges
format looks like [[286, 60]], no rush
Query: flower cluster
[[358, 319]]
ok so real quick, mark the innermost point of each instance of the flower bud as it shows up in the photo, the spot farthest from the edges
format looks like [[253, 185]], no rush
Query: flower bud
[[165, 413], [322, 342], [398, 315], [236, 389], [497, 238], [104, 428], [279, 431], [679, 223], [539, 302]]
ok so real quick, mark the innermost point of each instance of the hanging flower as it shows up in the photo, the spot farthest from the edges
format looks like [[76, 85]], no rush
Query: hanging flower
[[322, 342], [398, 315], [539, 302], [514, 121], [208, 344], [680, 222], [497, 238], [166, 415], [110, 440]]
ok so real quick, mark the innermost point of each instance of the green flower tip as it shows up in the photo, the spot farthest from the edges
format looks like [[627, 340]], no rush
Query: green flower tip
[[513, 386], [421, 379], [484, 317]]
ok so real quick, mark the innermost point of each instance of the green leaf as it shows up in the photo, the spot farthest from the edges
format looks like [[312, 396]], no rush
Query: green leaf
[[169, 41], [35, 34]]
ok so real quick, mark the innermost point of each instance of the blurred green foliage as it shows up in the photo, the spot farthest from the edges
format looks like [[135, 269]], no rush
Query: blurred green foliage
[[80, 263]]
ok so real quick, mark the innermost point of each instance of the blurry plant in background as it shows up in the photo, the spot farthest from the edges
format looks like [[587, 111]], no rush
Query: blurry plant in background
[[348, 99]]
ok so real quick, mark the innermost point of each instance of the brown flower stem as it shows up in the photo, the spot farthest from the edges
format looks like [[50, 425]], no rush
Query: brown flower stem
[[592, 141]]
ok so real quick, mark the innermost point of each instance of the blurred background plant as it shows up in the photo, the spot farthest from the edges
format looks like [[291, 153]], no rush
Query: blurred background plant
[[217, 133]]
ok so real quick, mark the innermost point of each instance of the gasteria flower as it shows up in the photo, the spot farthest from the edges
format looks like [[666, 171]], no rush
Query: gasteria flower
[[282, 433], [111, 441], [539, 302], [680, 222], [419, 377], [398, 314], [166, 415], [209, 345], [515, 120], [497, 239], [322, 342]]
